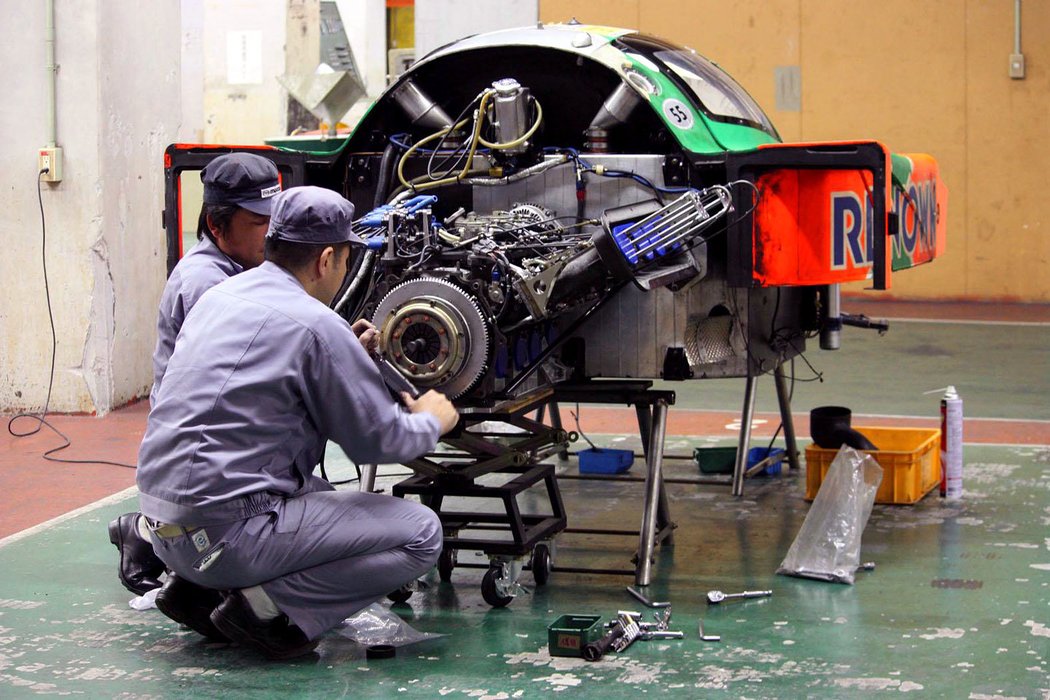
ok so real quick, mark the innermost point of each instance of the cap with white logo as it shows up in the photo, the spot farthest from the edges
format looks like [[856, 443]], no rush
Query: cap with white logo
[[241, 179]]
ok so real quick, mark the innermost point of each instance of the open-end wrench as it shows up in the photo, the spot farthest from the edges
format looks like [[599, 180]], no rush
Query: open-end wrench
[[641, 625], [714, 597], [650, 630]]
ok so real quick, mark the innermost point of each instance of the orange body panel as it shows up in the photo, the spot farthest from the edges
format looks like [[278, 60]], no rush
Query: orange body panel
[[816, 225], [813, 227]]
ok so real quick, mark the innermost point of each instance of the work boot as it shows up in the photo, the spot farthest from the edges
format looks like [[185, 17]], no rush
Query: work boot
[[190, 605], [139, 569], [275, 639]]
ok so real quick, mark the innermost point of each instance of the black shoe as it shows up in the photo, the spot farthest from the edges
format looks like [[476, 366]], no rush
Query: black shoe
[[275, 639], [139, 569], [190, 605]]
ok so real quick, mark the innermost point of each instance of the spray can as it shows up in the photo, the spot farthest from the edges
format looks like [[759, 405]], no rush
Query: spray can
[[951, 444]]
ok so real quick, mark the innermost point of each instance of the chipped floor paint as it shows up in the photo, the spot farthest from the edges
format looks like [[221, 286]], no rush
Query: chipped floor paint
[[66, 627]]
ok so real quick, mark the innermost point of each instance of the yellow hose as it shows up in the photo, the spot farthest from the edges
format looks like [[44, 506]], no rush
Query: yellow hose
[[521, 139], [417, 145], [475, 139]]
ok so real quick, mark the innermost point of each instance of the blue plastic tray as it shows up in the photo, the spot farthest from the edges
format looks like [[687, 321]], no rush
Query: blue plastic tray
[[605, 461], [757, 454]]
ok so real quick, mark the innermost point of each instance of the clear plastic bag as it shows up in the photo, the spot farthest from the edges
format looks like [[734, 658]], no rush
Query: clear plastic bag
[[377, 625], [146, 601], [827, 546]]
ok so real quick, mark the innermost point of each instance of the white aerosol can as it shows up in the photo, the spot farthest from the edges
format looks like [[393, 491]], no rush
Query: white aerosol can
[[951, 444]]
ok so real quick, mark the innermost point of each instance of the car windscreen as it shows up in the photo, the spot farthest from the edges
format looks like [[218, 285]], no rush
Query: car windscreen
[[719, 95]]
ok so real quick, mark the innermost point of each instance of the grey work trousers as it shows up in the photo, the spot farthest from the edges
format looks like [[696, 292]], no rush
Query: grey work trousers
[[320, 556]]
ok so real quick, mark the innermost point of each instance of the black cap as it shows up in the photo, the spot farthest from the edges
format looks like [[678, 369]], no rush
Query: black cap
[[241, 179], [312, 215]]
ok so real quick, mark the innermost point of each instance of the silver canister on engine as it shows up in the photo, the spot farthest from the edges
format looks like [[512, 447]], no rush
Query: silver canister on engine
[[510, 114]]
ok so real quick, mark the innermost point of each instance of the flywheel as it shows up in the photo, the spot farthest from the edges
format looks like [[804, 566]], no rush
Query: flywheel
[[435, 334]]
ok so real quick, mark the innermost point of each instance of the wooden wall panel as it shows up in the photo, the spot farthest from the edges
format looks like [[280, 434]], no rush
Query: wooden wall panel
[[1008, 153], [613, 13], [898, 75], [926, 76]]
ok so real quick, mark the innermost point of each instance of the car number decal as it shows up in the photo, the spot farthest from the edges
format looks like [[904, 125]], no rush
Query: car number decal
[[678, 114]]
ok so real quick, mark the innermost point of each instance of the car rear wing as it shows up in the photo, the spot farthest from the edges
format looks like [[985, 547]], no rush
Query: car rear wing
[[827, 213]]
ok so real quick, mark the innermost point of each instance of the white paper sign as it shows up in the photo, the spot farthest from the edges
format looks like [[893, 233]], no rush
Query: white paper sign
[[244, 58]]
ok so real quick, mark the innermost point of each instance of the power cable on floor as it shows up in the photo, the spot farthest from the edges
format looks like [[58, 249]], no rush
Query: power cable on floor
[[41, 420], [579, 430]]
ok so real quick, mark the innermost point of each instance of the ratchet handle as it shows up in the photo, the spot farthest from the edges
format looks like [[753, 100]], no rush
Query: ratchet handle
[[596, 650]]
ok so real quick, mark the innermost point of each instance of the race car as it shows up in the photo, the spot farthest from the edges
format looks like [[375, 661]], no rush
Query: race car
[[572, 201]]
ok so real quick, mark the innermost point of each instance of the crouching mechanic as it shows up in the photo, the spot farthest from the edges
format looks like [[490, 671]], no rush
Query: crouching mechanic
[[238, 191], [264, 373]]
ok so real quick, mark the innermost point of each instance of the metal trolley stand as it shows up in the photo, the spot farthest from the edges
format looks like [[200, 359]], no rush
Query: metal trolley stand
[[515, 459], [651, 408]]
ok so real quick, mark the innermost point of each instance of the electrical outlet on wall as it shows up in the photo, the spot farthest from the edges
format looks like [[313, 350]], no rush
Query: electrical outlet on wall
[[1017, 66], [49, 158]]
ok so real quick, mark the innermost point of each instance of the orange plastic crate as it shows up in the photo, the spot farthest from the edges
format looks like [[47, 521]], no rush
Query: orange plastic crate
[[910, 459]]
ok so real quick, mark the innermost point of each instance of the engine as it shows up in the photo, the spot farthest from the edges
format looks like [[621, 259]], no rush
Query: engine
[[469, 301], [450, 294]]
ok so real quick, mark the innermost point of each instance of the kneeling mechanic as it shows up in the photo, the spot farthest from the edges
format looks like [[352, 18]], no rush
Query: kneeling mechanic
[[262, 375]]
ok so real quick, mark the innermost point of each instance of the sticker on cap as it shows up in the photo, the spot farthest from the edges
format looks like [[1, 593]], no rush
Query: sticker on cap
[[270, 191]]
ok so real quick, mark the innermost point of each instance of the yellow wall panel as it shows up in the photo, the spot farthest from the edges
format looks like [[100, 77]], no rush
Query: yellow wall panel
[[927, 76], [401, 27], [613, 13], [1008, 153], [895, 72], [749, 39]]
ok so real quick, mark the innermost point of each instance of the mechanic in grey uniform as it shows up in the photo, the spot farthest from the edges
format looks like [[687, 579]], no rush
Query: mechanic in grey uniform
[[226, 468], [238, 191]]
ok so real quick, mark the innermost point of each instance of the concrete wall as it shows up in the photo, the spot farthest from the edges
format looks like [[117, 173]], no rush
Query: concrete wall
[[218, 111], [191, 126], [243, 43], [118, 107], [365, 24], [925, 76]]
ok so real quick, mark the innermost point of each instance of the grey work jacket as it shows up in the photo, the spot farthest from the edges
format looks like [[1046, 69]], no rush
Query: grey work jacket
[[263, 374], [199, 270]]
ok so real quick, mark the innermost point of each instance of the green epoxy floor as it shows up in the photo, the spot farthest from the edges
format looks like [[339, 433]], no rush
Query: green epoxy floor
[[958, 607], [1000, 370]]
